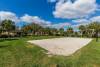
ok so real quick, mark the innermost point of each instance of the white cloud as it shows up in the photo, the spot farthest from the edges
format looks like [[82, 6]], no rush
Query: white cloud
[[52, 1], [30, 19], [34, 19], [77, 25], [26, 18], [95, 19], [86, 22], [81, 21], [60, 25], [9, 16], [77, 9]]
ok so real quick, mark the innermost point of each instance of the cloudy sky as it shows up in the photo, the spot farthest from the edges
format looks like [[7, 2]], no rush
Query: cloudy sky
[[53, 13]]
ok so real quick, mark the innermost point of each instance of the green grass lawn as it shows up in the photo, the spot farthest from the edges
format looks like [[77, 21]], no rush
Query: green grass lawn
[[19, 53]]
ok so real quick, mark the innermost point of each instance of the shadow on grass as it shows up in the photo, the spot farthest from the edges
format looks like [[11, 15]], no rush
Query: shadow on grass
[[8, 39], [4, 46]]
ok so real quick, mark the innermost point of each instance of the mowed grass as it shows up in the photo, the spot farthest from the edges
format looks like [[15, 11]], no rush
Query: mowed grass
[[19, 53]]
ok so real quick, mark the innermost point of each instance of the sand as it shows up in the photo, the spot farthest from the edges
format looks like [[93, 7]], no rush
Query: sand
[[62, 46]]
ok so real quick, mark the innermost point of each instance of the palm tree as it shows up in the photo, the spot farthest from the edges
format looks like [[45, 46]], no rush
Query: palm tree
[[47, 31], [61, 31], [36, 28], [54, 31], [70, 31], [82, 29], [0, 30]]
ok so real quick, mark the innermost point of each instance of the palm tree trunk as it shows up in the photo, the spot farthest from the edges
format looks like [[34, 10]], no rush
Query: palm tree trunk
[[96, 36]]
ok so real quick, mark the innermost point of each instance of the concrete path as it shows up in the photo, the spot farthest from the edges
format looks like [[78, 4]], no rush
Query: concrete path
[[62, 46]]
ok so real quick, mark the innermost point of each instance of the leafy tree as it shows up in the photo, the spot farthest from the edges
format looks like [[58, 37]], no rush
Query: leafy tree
[[27, 29], [32, 28], [96, 27], [8, 26]]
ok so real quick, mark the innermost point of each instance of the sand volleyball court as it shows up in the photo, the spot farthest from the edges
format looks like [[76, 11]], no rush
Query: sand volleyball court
[[62, 46]]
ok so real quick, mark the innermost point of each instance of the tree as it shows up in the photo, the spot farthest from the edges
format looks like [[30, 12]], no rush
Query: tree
[[27, 29], [61, 31], [47, 31], [36, 28], [54, 31], [70, 31], [8, 26], [82, 29], [96, 27], [0, 30], [33, 29]]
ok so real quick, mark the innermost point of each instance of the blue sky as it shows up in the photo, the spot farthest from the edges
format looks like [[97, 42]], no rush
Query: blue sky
[[41, 8], [46, 11]]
